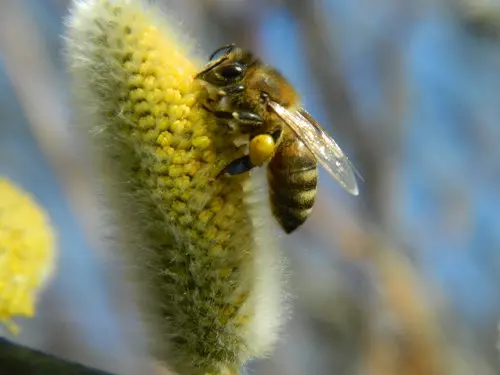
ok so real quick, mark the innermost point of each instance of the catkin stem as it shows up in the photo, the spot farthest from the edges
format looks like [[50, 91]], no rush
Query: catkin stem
[[16, 359]]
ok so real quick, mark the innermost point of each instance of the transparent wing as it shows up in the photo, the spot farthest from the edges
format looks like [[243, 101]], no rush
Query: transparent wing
[[322, 146]]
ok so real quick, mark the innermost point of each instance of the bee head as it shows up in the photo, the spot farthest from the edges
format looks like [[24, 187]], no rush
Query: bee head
[[246, 82], [231, 67]]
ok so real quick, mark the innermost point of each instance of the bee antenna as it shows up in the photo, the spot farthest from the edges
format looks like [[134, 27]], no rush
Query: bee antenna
[[226, 48]]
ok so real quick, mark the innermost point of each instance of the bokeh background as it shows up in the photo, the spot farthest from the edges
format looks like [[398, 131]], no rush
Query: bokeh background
[[402, 280]]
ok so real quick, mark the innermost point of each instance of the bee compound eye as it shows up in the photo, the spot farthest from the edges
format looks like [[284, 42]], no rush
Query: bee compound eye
[[231, 72]]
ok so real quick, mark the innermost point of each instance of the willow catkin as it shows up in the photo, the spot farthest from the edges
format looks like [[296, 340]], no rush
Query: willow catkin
[[205, 253], [27, 253]]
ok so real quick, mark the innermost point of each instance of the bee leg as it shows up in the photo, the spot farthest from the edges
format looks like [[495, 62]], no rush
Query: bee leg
[[245, 118], [238, 166], [247, 121], [230, 90], [244, 121], [223, 115]]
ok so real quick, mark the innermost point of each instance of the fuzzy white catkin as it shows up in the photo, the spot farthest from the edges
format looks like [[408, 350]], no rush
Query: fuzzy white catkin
[[204, 251]]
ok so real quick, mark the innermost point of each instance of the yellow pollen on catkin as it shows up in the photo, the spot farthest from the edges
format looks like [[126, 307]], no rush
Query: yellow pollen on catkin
[[27, 253], [189, 233]]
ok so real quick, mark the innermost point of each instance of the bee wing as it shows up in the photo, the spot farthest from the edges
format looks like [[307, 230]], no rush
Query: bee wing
[[322, 146]]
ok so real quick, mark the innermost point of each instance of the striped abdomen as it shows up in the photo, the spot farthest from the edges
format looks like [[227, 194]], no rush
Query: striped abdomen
[[293, 176]]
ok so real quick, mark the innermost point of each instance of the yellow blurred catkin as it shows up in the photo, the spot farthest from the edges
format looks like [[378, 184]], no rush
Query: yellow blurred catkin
[[204, 251], [27, 253]]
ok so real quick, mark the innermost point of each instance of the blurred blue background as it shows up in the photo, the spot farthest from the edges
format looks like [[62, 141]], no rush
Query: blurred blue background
[[410, 90]]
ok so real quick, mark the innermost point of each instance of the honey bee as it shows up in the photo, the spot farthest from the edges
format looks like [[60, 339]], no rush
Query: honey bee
[[255, 100]]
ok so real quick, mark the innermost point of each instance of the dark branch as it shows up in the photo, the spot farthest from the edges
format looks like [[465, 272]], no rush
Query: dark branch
[[16, 359]]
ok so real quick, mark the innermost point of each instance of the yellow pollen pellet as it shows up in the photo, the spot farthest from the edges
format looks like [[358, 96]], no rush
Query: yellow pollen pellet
[[261, 149]]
